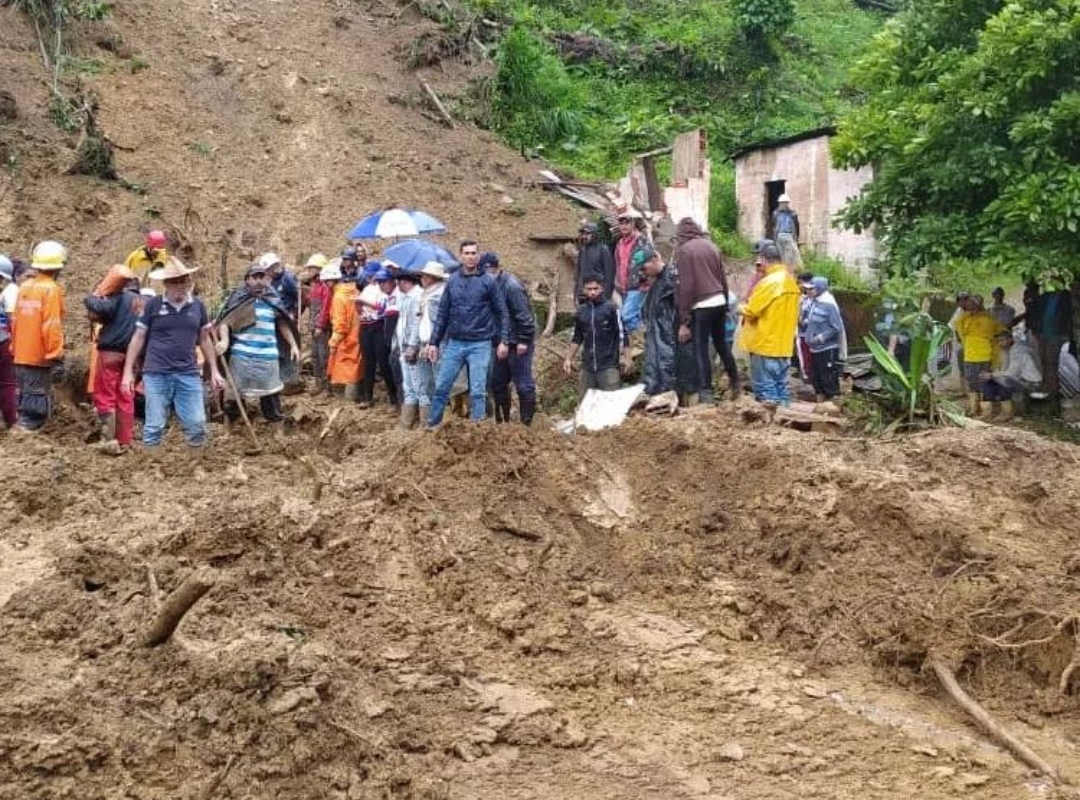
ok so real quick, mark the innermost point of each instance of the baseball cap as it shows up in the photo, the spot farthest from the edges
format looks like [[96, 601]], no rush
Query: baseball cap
[[642, 255]]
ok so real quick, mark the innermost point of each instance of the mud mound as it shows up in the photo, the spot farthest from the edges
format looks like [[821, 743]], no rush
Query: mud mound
[[496, 611]]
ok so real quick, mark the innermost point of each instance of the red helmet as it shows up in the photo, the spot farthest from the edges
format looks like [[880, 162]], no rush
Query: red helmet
[[156, 240]]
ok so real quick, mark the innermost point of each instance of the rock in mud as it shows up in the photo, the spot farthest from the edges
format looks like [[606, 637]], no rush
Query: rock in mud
[[732, 751]]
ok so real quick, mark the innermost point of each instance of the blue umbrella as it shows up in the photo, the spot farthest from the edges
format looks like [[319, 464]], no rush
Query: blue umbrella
[[393, 223], [413, 254]]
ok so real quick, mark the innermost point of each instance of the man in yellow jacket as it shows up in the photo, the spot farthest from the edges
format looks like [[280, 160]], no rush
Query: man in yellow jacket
[[770, 318], [37, 335], [152, 255]]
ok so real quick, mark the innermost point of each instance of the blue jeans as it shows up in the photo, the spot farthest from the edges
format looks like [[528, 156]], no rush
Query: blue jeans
[[184, 394], [769, 378], [410, 382], [425, 380], [454, 355], [631, 309]]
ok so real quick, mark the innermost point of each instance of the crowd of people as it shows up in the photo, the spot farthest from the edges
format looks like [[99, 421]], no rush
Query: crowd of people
[[432, 337]]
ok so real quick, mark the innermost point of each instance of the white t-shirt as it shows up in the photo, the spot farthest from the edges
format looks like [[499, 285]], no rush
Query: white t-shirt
[[8, 297]]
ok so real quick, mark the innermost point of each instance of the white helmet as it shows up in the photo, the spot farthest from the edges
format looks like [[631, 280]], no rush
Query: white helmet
[[332, 271], [49, 256], [268, 260]]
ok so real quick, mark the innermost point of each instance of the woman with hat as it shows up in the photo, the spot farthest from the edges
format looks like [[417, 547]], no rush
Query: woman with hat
[[433, 282], [172, 325]]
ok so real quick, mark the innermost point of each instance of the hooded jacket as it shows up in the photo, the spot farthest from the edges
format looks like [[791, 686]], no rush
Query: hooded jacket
[[599, 330], [700, 269], [595, 262], [522, 319]]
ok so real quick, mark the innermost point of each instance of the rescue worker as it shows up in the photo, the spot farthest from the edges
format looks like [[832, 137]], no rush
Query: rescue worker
[[37, 333], [319, 321], [117, 309], [9, 295], [518, 365], [256, 332], [172, 325], [345, 360], [152, 255]]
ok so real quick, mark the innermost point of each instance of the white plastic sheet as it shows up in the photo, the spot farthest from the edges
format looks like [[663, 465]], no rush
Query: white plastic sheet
[[599, 410]]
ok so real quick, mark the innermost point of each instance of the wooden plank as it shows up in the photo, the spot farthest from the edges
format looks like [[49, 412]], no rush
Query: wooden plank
[[689, 155], [652, 185]]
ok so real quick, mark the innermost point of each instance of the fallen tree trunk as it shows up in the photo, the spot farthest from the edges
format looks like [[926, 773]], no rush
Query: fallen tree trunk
[[985, 721], [176, 605]]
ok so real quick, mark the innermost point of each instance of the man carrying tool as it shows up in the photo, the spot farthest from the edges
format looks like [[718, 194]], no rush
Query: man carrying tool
[[116, 305], [170, 328], [254, 333]]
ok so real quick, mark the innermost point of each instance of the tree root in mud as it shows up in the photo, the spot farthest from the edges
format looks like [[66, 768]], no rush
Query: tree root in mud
[[985, 721], [176, 605]]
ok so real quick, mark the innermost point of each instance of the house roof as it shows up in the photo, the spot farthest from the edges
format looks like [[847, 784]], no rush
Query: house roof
[[770, 144]]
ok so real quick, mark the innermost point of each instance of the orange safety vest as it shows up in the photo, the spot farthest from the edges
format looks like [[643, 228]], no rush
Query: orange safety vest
[[37, 325]]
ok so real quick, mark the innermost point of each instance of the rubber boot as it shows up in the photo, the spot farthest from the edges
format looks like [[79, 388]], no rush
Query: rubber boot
[[408, 416], [989, 412], [422, 415], [974, 404], [527, 409], [501, 406], [352, 392], [459, 405], [108, 433], [1007, 412]]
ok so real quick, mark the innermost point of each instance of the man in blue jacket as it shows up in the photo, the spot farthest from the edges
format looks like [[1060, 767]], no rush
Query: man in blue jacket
[[517, 366], [472, 314]]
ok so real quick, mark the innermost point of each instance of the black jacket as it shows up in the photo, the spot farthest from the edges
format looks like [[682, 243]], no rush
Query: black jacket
[[595, 261], [522, 319], [599, 330], [118, 315]]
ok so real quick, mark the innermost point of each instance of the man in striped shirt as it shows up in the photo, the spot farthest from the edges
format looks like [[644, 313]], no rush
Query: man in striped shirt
[[257, 333]]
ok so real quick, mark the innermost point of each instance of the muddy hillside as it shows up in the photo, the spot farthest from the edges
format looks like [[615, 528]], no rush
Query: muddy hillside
[[692, 607]]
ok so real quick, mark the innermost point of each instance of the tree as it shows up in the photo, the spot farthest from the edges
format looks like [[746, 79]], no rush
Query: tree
[[762, 19], [970, 121]]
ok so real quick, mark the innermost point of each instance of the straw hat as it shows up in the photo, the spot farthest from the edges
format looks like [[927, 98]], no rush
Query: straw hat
[[434, 269], [175, 268]]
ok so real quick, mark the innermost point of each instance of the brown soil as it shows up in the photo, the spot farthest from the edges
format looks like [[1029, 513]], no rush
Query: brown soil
[[693, 607], [490, 612]]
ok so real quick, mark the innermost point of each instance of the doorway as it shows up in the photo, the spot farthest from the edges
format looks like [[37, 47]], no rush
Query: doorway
[[773, 190]]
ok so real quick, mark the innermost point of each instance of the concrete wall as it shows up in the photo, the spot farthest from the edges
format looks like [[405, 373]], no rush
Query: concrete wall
[[817, 192]]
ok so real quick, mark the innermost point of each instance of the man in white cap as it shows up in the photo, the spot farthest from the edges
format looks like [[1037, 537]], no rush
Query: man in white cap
[[785, 232], [37, 334], [170, 328], [9, 294]]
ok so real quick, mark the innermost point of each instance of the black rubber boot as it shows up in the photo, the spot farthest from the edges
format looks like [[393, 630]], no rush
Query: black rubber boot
[[527, 408]]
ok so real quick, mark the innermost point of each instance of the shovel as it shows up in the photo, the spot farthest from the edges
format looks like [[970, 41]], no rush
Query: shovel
[[255, 448]]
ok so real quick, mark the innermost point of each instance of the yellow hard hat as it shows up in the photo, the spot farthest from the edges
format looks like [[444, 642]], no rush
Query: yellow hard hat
[[317, 260], [48, 256]]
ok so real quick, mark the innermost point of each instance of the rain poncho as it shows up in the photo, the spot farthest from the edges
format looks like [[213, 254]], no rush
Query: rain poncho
[[669, 366]]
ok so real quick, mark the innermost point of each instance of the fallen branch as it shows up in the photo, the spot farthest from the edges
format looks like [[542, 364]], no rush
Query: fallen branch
[[328, 426], [434, 98], [176, 605], [985, 721]]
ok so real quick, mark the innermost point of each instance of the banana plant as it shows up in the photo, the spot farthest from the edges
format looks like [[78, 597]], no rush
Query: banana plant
[[909, 392]]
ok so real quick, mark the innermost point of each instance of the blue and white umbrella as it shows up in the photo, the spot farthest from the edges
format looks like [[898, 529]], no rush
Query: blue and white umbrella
[[395, 223]]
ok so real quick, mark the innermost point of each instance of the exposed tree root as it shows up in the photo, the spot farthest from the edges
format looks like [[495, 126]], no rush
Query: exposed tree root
[[176, 605]]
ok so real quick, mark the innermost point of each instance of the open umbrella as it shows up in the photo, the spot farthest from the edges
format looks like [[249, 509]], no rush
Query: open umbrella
[[393, 223], [413, 254]]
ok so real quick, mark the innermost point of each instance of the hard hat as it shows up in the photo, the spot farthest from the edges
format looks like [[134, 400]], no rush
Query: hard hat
[[269, 260], [156, 240], [317, 260], [783, 199], [332, 271], [382, 274], [7, 269], [49, 256]]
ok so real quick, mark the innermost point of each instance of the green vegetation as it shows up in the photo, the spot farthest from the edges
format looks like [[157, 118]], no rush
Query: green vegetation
[[971, 118], [589, 83]]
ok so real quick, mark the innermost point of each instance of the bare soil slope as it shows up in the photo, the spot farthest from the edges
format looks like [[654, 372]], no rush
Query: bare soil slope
[[279, 122]]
